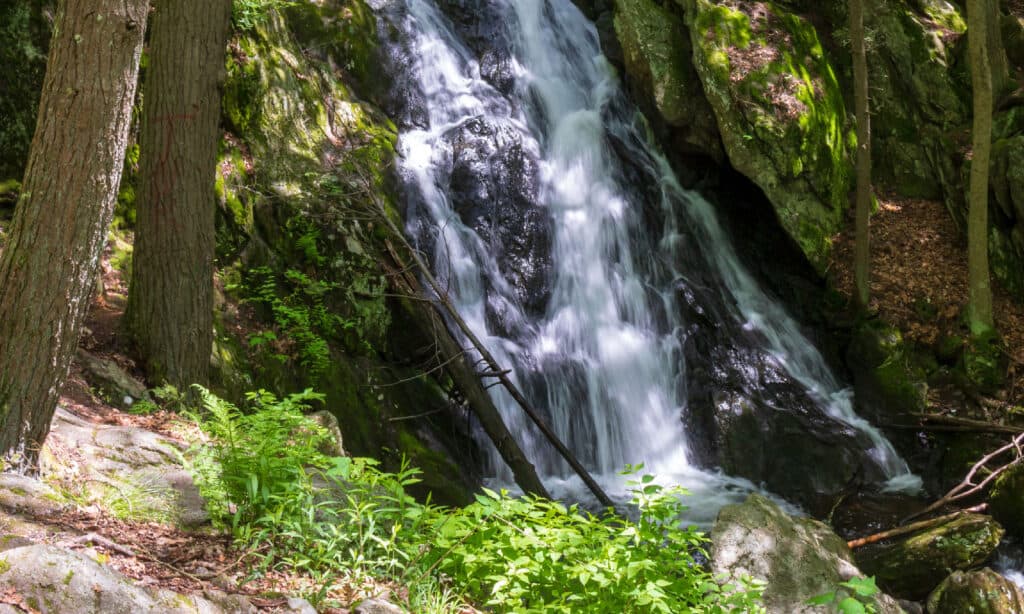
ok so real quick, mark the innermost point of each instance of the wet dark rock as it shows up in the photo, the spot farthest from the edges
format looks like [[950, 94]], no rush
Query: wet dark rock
[[481, 26], [1007, 500], [493, 184]]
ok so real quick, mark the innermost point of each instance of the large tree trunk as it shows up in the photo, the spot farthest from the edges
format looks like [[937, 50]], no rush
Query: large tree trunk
[[980, 302], [48, 265], [862, 243], [170, 301]]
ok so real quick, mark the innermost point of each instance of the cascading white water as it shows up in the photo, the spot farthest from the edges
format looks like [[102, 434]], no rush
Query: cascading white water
[[604, 358]]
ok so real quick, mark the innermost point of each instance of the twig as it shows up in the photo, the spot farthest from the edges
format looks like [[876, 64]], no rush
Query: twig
[[99, 540]]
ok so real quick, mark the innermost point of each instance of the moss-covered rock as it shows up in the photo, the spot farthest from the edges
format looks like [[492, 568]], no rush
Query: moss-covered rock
[[887, 379], [1006, 500], [911, 567], [780, 112], [977, 592], [798, 558], [658, 61]]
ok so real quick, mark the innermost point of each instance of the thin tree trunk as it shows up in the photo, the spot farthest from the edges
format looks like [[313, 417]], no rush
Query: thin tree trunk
[[170, 301], [862, 247], [980, 301], [47, 270], [999, 65]]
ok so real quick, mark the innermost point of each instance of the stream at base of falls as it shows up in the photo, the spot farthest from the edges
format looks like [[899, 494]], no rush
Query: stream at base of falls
[[612, 293]]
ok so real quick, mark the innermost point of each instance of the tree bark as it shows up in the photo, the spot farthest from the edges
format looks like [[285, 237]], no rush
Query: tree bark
[[980, 300], [48, 266], [170, 300], [999, 65], [862, 241]]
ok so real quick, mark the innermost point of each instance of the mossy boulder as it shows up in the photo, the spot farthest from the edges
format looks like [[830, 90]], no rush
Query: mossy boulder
[[1006, 500], [780, 111], [887, 380], [977, 592], [659, 64], [797, 558], [911, 567]]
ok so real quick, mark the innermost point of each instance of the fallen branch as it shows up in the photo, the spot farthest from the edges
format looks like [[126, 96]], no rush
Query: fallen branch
[[913, 527], [495, 370], [968, 487], [464, 376], [941, 422], [99, 540]]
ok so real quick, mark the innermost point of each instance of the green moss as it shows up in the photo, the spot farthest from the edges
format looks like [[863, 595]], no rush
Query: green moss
[[781, 113]]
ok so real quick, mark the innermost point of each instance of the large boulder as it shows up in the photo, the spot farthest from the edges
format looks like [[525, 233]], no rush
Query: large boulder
[[798, 558], [780, 112], [52, 580], [911, 567], [977, 592]]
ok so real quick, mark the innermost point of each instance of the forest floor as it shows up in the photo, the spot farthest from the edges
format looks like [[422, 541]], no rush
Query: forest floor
[[919, 285]]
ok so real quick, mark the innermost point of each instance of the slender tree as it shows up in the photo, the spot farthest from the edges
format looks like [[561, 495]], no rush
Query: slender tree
[[980, 300], [48, 265], [998, 64], [170, 300], [862, 244]]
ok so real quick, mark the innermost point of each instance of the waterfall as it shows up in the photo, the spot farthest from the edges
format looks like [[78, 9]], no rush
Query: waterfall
[[570, 248]]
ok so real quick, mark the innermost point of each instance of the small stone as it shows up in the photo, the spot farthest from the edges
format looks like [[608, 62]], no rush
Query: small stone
[[300, 605], [377, 606]]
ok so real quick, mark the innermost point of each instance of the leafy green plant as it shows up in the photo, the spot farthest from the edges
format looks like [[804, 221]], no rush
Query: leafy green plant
[[255, 458], [247, 14], [335, 517], [534, 555], [300, 314], [855, 596]]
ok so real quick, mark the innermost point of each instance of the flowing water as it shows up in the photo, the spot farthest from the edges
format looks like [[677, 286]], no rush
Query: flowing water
[[570, 248]]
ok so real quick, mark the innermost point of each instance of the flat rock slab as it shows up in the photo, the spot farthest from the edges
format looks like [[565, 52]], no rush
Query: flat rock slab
[[53, 580], [22, 494], [126, 458]]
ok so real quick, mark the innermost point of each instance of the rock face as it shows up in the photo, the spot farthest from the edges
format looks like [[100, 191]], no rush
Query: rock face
[[799, 558], [52, 580], [978, 592], [658, 59], [912, 567], [780, 112]]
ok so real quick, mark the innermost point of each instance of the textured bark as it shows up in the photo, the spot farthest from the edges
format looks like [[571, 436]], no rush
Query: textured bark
[[998, 64], [980, 301], [170, 301], [862, 243], [60, 225]]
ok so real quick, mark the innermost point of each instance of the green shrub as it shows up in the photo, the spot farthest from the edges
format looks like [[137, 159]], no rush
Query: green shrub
[[256, 458], [344, 519], [534, 555]]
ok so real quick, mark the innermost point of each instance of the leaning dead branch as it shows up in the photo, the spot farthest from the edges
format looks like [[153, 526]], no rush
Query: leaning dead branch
[[981, 475], [496, 371]]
